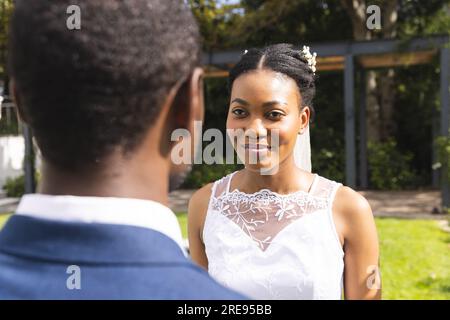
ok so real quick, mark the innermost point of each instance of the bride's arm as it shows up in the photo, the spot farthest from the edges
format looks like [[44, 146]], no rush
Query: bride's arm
[[198, 206], [355, 222]]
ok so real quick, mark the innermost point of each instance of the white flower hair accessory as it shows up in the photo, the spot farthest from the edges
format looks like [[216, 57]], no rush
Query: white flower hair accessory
[[311, 58]]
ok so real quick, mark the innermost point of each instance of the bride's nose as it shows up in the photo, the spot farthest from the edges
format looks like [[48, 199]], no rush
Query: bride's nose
[[256, 128]]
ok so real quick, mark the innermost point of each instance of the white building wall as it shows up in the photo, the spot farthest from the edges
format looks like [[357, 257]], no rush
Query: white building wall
[[12, 150]]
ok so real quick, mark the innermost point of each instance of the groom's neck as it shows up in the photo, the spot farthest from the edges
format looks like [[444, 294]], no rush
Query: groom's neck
[[123, 179]]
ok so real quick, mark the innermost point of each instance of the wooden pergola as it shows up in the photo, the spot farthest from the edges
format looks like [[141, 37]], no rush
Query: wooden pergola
[[349, 56]]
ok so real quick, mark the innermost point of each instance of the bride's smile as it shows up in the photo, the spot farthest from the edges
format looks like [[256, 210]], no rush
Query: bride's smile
[[265, 103]]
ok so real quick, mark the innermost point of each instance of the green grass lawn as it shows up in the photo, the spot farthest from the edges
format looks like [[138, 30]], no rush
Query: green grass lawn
[[415, 257], [3, 218], [182, 219]]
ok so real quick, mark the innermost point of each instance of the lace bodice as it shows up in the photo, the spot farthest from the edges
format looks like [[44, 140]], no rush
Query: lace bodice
[[272, 246]]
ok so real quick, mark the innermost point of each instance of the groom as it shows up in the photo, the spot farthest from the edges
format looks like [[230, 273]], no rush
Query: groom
[[102, 102]]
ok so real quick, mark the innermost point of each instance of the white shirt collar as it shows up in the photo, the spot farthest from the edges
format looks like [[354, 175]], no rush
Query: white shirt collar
[[107, 210]]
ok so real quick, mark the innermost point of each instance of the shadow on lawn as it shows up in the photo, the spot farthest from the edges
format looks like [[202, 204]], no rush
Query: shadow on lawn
[[445, 288]]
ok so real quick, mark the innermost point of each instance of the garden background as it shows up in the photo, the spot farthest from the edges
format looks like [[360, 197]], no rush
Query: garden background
[[402, 116]]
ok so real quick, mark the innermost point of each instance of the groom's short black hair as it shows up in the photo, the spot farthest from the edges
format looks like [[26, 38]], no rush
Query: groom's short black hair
[[86, 92]]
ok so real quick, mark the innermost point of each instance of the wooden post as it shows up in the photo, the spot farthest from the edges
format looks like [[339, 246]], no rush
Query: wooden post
[[350, 168], [445, 93]]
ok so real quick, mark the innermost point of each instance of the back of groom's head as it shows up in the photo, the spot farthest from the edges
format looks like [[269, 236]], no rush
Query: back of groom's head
[[88, 92]]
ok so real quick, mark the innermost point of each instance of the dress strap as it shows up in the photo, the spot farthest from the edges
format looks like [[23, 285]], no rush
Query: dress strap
[[332, 196], [222, 186], [321, 187], [313, 184], [229, 181], [213, 188]]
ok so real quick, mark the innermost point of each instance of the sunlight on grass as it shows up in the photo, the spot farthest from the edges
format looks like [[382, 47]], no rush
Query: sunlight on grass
[[415, 259], [182, 220], [3, 218]]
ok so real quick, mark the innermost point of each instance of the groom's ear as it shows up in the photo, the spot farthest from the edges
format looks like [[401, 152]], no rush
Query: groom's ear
[[17, 101], [188, 105], [186, 109]]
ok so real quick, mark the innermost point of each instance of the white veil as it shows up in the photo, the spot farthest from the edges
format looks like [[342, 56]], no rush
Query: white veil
[[302, 151]]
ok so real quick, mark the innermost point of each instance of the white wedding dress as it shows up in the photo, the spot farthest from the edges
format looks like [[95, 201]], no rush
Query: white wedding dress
[[272, 246]]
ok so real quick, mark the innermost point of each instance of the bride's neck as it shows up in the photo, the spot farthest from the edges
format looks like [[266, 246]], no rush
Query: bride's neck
[[287, 179]]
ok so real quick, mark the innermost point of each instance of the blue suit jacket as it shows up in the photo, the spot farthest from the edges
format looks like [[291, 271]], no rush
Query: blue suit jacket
[[115, 262]]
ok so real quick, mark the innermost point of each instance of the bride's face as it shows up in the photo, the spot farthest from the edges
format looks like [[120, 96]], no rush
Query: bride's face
[[265, 104]]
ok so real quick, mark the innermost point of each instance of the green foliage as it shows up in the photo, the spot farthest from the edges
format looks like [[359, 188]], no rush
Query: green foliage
[[15, 187], [216, 103], [203, 174], [11, 128], [216, 19], [329, 163], [416, 116], [327, 129], [293, 21], [443, 148], [9, 124], [389, 168], [421, 18], [6, 7]]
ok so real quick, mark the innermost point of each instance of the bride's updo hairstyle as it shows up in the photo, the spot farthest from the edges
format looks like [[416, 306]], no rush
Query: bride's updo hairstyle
[[283, 58]]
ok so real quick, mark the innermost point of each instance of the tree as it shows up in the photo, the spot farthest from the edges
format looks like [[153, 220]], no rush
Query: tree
[[216, 19], [294, 21], [400, 18], [6, 7], [256, 23]]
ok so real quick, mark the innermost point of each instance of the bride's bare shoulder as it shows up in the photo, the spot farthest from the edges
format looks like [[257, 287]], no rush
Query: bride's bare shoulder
[[351, 202], [352, 211], [198, 204], [197, 210], [200, 198]]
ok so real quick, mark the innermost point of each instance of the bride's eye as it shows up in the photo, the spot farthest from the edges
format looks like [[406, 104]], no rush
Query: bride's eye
[[274, 115], [239, 112]]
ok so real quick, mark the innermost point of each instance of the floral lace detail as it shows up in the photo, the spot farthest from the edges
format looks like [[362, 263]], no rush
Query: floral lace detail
[[262, 215], [272, 246]]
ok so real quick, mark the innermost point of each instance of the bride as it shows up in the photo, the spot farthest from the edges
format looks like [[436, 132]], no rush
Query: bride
[[291, 234]]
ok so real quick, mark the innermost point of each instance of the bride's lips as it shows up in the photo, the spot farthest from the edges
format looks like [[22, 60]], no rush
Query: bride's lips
[[256, 147]]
